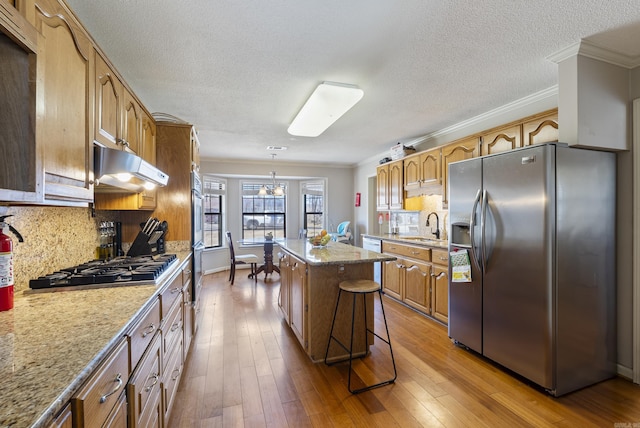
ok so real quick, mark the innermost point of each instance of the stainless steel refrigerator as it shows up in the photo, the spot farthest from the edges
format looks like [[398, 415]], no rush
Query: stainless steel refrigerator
[[538, 224]]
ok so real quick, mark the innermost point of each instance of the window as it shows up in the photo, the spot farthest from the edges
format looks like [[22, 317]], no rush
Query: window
[[214, 192], [313, 206], [263, 214]]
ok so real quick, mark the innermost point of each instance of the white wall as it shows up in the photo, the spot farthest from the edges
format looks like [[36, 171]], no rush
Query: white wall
[[340, 197], [593, 104]]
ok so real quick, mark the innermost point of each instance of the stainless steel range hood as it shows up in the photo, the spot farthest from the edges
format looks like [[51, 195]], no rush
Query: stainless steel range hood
[[113, 167]]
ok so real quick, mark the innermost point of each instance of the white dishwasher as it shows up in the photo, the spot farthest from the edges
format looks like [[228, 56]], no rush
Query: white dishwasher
[[374, 244]]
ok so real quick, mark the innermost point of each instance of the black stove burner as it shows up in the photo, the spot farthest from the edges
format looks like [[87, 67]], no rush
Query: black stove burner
[[117, 270]]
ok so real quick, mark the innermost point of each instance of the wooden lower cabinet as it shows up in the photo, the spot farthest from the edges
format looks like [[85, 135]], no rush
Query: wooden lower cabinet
[[417, 285], [393, 272], [298, 299], [144, 388], [293, 295], [171, 379], [418, 278], [118, 417], [285, 285], [64, 419], [440, 285], [95, 401]]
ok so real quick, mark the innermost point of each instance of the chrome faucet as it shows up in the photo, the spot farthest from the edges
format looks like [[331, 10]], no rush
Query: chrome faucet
[[437, 232]]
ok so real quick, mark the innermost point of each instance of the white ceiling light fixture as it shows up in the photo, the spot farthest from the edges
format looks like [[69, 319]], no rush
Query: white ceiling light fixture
[[274, 190], [326, 104]]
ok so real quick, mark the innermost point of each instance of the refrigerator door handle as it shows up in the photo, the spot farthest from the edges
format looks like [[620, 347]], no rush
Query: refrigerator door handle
[[483, 217], [472, 223]]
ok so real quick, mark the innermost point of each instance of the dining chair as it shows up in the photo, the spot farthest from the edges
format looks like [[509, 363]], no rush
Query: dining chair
[[242, 259]]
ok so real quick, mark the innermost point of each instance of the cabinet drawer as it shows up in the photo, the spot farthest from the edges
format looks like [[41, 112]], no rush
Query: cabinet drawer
[[440, 257], [143, 390], [93, 403], [171, 379], [142, 333], [186, 273], [172, 330], [170, 295], [420, 253]]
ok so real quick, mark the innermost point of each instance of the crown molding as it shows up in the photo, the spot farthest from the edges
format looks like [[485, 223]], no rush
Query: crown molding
[[470, 123], [591, 50]]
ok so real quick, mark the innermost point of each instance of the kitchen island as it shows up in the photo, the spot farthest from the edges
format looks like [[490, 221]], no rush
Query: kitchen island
[[52, 343], [309, 278]]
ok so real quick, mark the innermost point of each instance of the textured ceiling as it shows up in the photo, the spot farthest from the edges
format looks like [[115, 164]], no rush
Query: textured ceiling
[[241, 70]]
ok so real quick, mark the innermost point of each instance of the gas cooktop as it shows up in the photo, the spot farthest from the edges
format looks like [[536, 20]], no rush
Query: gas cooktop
[[138, 270]]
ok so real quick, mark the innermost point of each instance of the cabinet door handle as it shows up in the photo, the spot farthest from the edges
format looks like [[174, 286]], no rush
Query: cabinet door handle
[[149, 330], [154, 377], [440, 275], [117, 380], [175, 326], [175, 374]]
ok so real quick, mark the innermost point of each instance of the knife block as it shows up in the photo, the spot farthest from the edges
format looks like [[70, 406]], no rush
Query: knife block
[[140, 246]]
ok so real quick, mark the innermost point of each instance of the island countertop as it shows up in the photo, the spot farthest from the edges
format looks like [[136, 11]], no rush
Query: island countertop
[[335, 253]]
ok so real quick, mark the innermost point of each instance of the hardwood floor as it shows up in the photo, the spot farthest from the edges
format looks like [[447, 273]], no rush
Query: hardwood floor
[[246, 369]]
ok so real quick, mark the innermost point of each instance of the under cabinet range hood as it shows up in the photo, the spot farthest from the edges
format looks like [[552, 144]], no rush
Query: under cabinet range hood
[[120, 171]]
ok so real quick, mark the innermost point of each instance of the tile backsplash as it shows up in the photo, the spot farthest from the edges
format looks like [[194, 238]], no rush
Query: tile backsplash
[[413, 220]]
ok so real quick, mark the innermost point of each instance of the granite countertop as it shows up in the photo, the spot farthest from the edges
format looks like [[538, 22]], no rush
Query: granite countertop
[[51, 342], [335, 253], [411, 239]]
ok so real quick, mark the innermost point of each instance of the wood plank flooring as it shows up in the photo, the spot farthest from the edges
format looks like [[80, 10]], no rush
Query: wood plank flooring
[[246, 369]]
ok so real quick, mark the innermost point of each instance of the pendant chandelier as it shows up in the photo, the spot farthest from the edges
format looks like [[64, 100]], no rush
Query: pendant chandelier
[[274, 190]]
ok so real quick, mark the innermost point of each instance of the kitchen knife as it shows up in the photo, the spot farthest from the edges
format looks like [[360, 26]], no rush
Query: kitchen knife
[[146, 226]]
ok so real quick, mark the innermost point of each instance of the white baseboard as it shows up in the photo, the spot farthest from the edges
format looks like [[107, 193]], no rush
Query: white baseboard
[[625, 372]]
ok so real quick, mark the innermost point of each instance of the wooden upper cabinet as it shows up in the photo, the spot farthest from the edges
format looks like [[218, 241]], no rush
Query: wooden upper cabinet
[[430, 166], [118, 115], [147, 199], [501, 140], [422, 172], [542, 129], [396, 185], [390, 186], [108, 100], [412, 175], [382, 187], [63, 126], [466, 148], [132, 125]]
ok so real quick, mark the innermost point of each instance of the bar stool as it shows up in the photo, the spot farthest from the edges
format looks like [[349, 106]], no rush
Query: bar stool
[[360, 287]]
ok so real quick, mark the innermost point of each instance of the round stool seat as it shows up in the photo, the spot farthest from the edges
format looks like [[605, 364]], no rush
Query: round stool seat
[[359, 286]]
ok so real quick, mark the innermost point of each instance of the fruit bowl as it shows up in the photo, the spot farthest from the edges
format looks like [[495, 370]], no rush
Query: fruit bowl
[[319, 240]]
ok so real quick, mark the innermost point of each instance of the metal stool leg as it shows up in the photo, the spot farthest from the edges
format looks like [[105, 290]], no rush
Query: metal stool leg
[[335, 312], [367, 331]]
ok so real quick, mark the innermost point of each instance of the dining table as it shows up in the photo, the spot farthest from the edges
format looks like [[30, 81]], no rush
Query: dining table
[[267, 243]]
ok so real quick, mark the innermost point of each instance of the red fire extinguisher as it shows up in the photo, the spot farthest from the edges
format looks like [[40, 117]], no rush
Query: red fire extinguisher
[[6, 264]]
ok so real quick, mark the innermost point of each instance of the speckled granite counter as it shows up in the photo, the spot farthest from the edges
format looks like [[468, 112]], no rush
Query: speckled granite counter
[[51, 342], [334, 253]]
